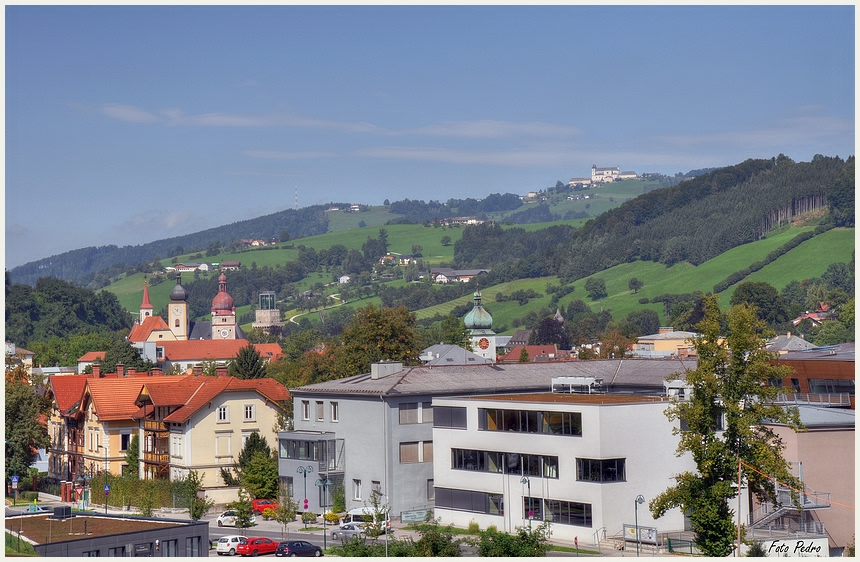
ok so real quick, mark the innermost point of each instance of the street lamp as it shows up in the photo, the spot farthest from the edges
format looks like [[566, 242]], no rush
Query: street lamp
[[324, 483], [304, 471], [525, 480], [639, 500]]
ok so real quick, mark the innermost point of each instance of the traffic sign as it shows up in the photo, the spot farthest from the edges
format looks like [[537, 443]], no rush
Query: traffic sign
[[14, 479], [79, 491], [107, 489], [306, 503]]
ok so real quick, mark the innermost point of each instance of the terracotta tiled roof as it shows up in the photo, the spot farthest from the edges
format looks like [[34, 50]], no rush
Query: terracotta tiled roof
[[270, 389], [168, 390], [113, 399], [209, 350], [141, 332], [91, 356], [68, 390], [534, 351]]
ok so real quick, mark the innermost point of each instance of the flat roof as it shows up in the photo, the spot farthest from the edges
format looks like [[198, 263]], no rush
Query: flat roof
[[39, 529], [566, 398]]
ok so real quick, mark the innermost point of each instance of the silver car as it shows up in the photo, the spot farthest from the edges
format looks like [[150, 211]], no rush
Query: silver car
[[230, 519], [347, 531]]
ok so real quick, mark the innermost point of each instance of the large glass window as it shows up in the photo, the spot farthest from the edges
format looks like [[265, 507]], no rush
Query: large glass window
[[298, 449], [831, 386], [568, 513], [600, 470], [510, 463], [467, 500], [449, 417], [409, 413], [527, 421]]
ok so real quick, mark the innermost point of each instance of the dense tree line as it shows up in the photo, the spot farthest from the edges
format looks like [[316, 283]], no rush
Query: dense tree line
[[421, 212], [56, 308]]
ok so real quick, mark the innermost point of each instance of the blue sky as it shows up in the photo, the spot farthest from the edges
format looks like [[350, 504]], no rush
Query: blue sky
[[131, 124]]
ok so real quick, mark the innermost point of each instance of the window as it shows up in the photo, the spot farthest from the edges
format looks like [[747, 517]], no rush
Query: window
[[306, 410], [176, 446], [594, 470], [431, 490], [545, 466], [527, 421], [828, 386], [320, 411], [533, 508], [467, 500], [376, 487], [356, 489], [568, 513], [89, 553], [299, 450], [223, 414], [449, 417], [288, 484], [408, 413], [222, 446], [124, 441], [249, 412], [795, 385], [192, 546], [116, 551], [416, 451], [335, 415], [426, 412]]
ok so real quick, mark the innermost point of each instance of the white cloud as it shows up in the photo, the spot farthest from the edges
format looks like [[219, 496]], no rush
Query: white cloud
[[128, 113]]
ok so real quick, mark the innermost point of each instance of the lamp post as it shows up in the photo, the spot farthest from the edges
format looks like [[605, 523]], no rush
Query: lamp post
[[324, 483], [639, 500], [525, 480], [304, 471]]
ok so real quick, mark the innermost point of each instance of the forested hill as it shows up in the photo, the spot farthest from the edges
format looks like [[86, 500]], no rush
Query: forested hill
[[79, 265], [693, 221]]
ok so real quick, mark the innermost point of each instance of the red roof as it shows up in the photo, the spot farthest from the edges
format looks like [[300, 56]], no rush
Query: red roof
[[269, 389], [91, 356], [534, 351], [145, 303], [210, 350], [141, 332], [113, 399], [68, 390]]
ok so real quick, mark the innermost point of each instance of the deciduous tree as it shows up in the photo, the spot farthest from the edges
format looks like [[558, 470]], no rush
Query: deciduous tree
[[596, 288], [731, 384]]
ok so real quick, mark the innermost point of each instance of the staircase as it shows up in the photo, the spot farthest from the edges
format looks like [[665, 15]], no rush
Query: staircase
[[784, 505]]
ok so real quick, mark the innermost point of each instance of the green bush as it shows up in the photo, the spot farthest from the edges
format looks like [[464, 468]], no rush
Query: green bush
[[309, 517], [474, 528]]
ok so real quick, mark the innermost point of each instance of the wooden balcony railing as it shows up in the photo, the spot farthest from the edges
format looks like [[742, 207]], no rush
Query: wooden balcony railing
[[156, 458], [151, 425]]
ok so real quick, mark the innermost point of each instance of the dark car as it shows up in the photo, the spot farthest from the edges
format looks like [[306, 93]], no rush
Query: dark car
[[298, 548]]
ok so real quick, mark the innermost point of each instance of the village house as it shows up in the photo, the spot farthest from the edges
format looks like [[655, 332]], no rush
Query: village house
[[667, 342]]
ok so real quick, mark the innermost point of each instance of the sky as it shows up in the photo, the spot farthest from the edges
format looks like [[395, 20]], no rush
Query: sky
[[129, 124]]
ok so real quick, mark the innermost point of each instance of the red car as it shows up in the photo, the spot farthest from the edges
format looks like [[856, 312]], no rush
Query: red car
[[253, 546], [258, 506]]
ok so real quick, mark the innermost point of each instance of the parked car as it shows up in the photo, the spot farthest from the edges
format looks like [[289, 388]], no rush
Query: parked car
[[227, 545], [347, 531], [258, 506], [254, 546], [230, 519], [298, 548]]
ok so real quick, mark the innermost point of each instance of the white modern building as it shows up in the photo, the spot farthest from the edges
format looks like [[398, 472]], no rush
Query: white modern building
[[577, 460]]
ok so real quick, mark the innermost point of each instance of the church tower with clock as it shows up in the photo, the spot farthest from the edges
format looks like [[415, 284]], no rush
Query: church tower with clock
[[479, 322], [177, 311], [223, 313]]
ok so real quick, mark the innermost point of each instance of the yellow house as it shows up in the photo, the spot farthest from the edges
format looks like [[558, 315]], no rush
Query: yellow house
[[665, 343]]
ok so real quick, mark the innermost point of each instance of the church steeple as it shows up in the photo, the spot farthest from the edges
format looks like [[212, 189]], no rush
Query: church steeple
[[145, 305], [479, 322]]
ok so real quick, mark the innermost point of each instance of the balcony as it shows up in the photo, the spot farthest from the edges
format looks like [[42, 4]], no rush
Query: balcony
[[152, 425], [834, 400], [156, 458], [775, 515]]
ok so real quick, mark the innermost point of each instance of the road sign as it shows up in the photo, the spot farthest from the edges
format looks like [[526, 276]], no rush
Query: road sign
[[306, 503], [79, 491], [531, 514], [14, 484], [14, 479], [107, 489]]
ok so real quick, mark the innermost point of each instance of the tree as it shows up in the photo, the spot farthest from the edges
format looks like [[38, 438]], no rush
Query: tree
[[596, 288], [248, 364], [832, 332], [377, 514], [550, 331], [242, 506], [417, 249], [377, 334], [446, 240], [24, 433], [730, 383], [132, 457], [197, 506], [635, 284], [123, 352], [260, 476], [771, 308], [286, 510], [526, 543], [454, 332], [615, 345], [436, 540], [524, 355]]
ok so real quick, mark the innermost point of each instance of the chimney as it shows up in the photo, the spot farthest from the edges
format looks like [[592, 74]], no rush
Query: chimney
[[221, 371], [156, 372], [198, 370], [97, 371], [120, 370], [131, 372], [665, 329], [384, 368]]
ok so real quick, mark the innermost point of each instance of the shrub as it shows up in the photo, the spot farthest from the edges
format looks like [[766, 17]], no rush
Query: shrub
[[332, 517], [268, 513], [309, 517], [474, 527], [644, 300]]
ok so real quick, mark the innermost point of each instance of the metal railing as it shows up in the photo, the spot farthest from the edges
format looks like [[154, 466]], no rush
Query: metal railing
[[836, 400]]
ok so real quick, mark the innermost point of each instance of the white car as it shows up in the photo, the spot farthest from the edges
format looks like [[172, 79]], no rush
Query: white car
[[227, 545], [230, 519]]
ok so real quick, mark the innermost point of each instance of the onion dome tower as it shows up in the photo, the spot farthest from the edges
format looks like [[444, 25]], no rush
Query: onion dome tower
[[177, 310], [479, 322], [223, 312]]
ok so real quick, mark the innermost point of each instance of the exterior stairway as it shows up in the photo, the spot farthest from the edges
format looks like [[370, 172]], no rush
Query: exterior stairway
[[784, 505]]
